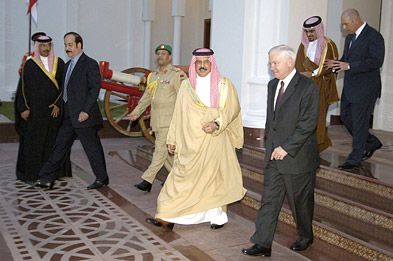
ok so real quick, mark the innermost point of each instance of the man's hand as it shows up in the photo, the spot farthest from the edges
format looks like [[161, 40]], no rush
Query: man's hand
[[83, 116], [336, 66], [171, 148], [328, 64], [308, 74], [25, 114], [209, 127], [339, 66], [55, 110], [132, 117], [278, 154]]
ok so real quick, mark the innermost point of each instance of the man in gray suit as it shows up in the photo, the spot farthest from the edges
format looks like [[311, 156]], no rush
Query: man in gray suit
[[292, 156]]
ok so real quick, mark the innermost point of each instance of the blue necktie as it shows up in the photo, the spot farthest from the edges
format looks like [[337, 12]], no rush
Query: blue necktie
[[353, 39], [65, 98]]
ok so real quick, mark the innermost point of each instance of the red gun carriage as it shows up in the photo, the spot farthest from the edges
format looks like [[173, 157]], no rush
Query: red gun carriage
[[123, 91]]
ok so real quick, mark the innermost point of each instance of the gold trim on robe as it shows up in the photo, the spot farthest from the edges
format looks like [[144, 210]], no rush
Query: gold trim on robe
[[206, 173]]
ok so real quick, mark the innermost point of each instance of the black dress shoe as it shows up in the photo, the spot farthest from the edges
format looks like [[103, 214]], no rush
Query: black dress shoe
[[257, 250], [44, 184], [215, 226], [297, 246], [369, 153], [160, 223], [347, 166], [98, 184], [29, 182], [144, 185]]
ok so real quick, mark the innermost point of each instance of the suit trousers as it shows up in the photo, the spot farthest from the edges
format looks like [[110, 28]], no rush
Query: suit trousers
[[161, 157], [356, 118], [299, 189], [66, 136]]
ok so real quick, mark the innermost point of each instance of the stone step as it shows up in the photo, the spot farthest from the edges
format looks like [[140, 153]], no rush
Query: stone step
[[358, 207], [363, 190], [356, 220], [347, 226], [328, 240], [353, 220]]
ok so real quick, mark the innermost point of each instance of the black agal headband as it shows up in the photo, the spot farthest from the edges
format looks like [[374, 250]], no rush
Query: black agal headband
[[202, 53]]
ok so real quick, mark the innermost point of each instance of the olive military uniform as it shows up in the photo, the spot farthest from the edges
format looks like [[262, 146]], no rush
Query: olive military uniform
[[161, 92]]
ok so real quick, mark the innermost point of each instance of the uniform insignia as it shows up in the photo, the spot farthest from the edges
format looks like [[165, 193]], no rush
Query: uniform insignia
[[164, 81]]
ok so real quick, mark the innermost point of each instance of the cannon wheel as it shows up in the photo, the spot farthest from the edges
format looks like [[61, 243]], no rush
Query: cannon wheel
[[116, 103]]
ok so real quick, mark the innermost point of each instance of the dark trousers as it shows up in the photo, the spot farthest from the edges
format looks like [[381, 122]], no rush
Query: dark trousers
[[299, 189], [66, 136], [356, 118]]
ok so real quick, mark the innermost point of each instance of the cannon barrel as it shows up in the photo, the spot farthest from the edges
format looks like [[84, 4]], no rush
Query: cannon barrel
[[106, 73]]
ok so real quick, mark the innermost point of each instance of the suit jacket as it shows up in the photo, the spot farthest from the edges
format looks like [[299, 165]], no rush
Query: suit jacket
[[82, 92], [293, 125], [365, 58]]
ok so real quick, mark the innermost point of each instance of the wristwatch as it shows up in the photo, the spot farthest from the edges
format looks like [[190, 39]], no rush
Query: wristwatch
[[217, 125]]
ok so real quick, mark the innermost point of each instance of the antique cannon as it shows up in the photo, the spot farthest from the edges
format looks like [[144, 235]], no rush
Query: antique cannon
[[123, 91]]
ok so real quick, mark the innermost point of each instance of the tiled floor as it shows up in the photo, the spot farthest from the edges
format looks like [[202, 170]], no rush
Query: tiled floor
[[72, 223]]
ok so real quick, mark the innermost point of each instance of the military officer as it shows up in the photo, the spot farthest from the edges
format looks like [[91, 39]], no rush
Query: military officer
[[161, 91]]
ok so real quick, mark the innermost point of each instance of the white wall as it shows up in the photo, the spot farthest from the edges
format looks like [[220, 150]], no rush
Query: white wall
[[242, 32], [227, 37], [112, 31], [106, 31], [384, 110], [14, 27]]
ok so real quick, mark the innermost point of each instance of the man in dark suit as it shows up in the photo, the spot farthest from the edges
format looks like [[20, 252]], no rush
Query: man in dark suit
[[292, 156], [363, 56], [81, 115]]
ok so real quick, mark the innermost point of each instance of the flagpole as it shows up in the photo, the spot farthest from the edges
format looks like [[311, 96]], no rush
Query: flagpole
[[29, 33]]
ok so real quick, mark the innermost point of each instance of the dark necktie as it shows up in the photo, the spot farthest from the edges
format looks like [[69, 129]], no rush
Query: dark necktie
[[353, 39], [65, 98], [280, 94]]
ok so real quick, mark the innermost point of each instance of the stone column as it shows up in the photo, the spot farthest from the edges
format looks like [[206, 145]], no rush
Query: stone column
[[178, 11], [148, 17], [383, 113], [266, 25]]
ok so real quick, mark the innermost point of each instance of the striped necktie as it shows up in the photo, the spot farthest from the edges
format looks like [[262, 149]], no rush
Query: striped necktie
[[280, 94], [70, 68], [353, 39]]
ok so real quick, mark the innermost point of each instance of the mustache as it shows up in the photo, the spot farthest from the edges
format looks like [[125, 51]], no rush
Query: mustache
[[202, 69]]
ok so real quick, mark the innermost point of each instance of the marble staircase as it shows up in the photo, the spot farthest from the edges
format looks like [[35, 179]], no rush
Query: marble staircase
[[352, 218], [352, 214]]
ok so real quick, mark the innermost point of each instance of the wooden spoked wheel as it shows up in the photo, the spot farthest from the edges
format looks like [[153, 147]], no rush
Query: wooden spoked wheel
[[116, 110]]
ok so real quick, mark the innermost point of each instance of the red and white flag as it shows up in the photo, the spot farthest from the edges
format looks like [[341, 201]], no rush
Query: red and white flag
[[32, 9]]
